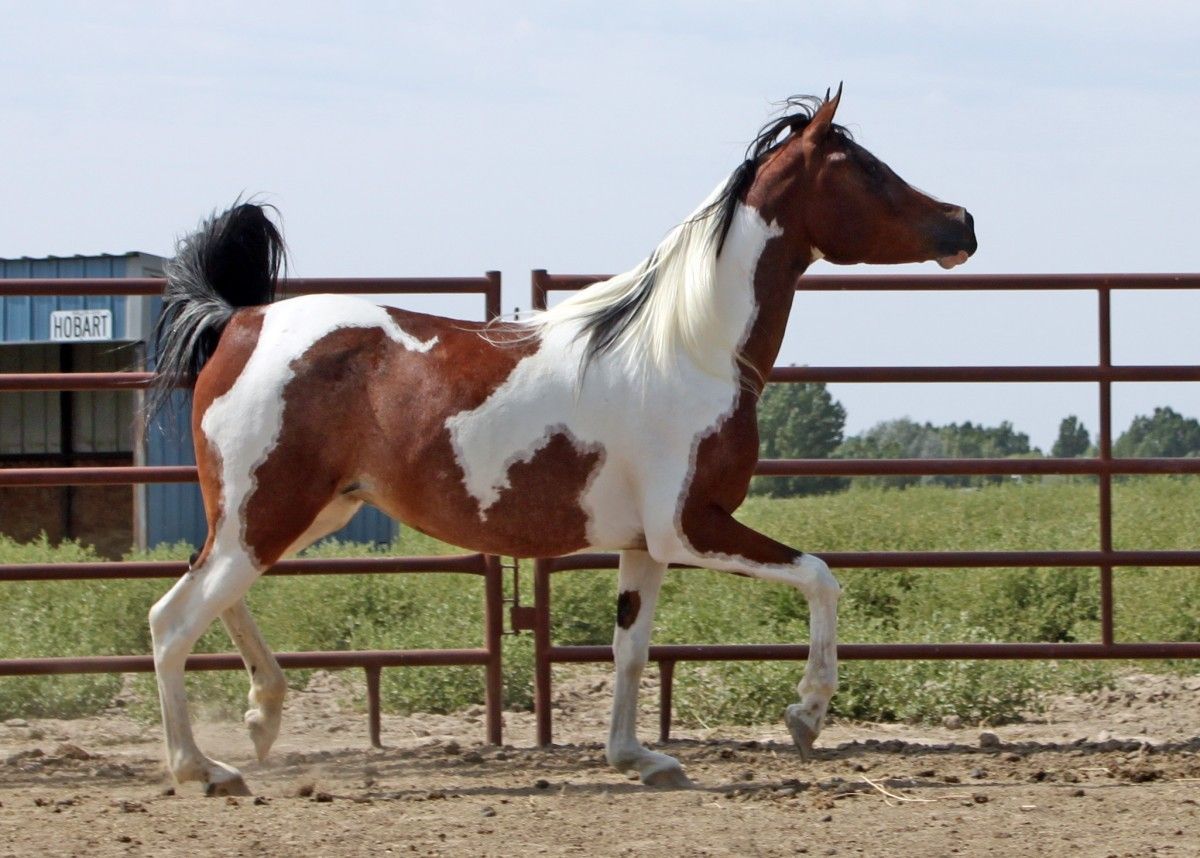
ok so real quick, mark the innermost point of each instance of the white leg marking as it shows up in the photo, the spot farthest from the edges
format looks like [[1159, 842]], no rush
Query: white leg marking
[[267, 683], [639, 582], [811, 576], [819, 683], [176, 622]]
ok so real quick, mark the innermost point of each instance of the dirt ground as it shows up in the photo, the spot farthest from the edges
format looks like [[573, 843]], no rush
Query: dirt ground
[[1112, 773]]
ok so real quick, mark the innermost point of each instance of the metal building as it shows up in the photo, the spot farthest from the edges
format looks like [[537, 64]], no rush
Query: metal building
[[57, 429]]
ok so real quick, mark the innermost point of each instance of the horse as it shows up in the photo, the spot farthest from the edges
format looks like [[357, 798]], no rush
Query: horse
[[622, 418]]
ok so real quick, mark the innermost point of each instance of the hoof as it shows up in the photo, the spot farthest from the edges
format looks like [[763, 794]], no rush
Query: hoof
[[668, 778], [263, 732], [233, 786], [803, 734]]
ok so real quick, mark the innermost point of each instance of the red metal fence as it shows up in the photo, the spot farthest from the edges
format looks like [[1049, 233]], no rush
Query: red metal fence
[[1104, 466], [372, 661], [537, 617]]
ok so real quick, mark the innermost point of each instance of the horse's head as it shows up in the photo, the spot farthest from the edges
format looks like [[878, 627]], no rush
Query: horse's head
[[833, 194]]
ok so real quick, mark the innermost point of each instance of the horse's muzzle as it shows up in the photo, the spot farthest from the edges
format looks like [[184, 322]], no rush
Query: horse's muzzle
[[955, 238]]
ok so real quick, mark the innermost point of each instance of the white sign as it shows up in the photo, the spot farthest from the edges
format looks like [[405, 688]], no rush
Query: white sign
[[68, 326]]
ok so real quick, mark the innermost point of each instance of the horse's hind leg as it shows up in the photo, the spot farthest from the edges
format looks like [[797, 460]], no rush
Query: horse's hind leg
[[639, 581], [267, 683], [268, 686], [177, 621]]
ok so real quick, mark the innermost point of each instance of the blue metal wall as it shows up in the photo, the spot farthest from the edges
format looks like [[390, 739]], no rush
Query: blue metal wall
[[174, 511], [26, 319]]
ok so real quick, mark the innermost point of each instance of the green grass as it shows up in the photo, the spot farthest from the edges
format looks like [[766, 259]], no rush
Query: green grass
[[416, 611]]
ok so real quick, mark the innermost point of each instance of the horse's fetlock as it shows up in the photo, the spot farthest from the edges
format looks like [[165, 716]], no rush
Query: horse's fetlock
[[623, 757]]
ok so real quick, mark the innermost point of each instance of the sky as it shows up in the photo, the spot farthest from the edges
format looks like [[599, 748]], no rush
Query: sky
[[427, 139]]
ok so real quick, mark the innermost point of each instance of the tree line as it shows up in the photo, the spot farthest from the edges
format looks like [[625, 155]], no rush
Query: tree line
[[804, 421]]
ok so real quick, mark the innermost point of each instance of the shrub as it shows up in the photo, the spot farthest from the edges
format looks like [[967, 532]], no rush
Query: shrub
[[697, 606]]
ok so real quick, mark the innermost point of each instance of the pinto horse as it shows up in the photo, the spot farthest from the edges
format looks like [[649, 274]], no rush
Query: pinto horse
[[622, 418]]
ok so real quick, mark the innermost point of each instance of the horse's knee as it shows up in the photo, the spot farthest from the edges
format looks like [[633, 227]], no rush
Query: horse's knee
[[163, 621], [630, 659], [819, 581]]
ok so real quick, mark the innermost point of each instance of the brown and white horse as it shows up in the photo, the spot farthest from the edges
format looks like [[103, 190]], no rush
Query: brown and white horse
[[622, 418]]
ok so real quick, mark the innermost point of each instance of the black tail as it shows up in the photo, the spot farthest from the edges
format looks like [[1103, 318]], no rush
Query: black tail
[[233, 260]]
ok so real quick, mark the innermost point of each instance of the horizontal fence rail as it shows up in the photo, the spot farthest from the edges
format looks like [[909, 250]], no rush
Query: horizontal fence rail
[[371, 661], [488, 285], [1103, 467], [543, 283], [143, 569]]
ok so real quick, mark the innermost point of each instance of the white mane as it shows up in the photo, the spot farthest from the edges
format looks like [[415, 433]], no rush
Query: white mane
[[672, 298]]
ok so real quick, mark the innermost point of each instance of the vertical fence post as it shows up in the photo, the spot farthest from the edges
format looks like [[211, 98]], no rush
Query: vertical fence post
[[373, 703], [666, 682], [541, 649], [491, 297], [493, 641], [537, 279], [1105, 483]]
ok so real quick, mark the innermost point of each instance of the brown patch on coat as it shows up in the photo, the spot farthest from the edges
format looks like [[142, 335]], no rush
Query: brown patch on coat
[[629, 603], [215, 380], [362, 409], [724, 462], [543, 494]]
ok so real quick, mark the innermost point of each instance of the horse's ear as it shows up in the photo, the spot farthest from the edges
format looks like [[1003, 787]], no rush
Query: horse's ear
[[819, 125]]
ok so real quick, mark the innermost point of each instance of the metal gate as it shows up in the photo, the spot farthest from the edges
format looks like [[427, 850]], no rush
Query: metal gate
[[1104, 466]]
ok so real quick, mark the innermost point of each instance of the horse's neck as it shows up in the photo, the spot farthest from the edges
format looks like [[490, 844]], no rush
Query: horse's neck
[[758, 264]]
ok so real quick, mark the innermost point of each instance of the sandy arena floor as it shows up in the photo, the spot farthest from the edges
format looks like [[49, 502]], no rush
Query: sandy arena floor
[[1113, 773]]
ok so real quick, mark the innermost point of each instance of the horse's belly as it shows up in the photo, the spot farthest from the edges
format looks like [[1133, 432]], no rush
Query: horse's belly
[[538, 510]]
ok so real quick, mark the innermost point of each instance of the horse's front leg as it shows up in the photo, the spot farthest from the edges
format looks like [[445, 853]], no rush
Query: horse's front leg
[[638, 584], [711, 537]]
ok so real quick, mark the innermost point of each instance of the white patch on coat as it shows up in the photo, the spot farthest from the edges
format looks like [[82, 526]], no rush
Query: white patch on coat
[[646, 422], [243, 424]]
